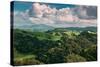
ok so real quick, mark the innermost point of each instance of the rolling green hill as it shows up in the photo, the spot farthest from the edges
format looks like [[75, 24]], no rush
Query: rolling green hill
[[55, 46]]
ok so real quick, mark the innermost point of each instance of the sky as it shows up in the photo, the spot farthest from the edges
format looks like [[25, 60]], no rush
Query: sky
[[56, 15]]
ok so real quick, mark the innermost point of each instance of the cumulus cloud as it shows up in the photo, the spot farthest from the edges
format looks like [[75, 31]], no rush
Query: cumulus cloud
[[64, 17], [51, 15], [86, 12]]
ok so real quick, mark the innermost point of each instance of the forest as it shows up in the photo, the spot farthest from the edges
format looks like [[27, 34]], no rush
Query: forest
[[54, 46]]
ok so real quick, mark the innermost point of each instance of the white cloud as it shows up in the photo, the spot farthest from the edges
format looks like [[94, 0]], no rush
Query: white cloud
[[86, 12], [44, 14], [41, 21], [51, 15]]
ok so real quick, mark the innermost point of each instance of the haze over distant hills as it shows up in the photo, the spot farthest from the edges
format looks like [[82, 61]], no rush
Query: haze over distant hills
[[43, 27], [35, 27]]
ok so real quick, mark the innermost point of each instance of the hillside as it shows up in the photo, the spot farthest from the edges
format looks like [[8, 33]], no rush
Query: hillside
[[53, 47], [79, 29]]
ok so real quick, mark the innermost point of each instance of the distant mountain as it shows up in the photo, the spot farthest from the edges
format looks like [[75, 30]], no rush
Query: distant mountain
[[83, 29], [94, 29], [43, 27], [35, 27]]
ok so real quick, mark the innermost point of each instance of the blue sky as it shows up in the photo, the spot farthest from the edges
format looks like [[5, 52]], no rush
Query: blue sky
[[22, 6]]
